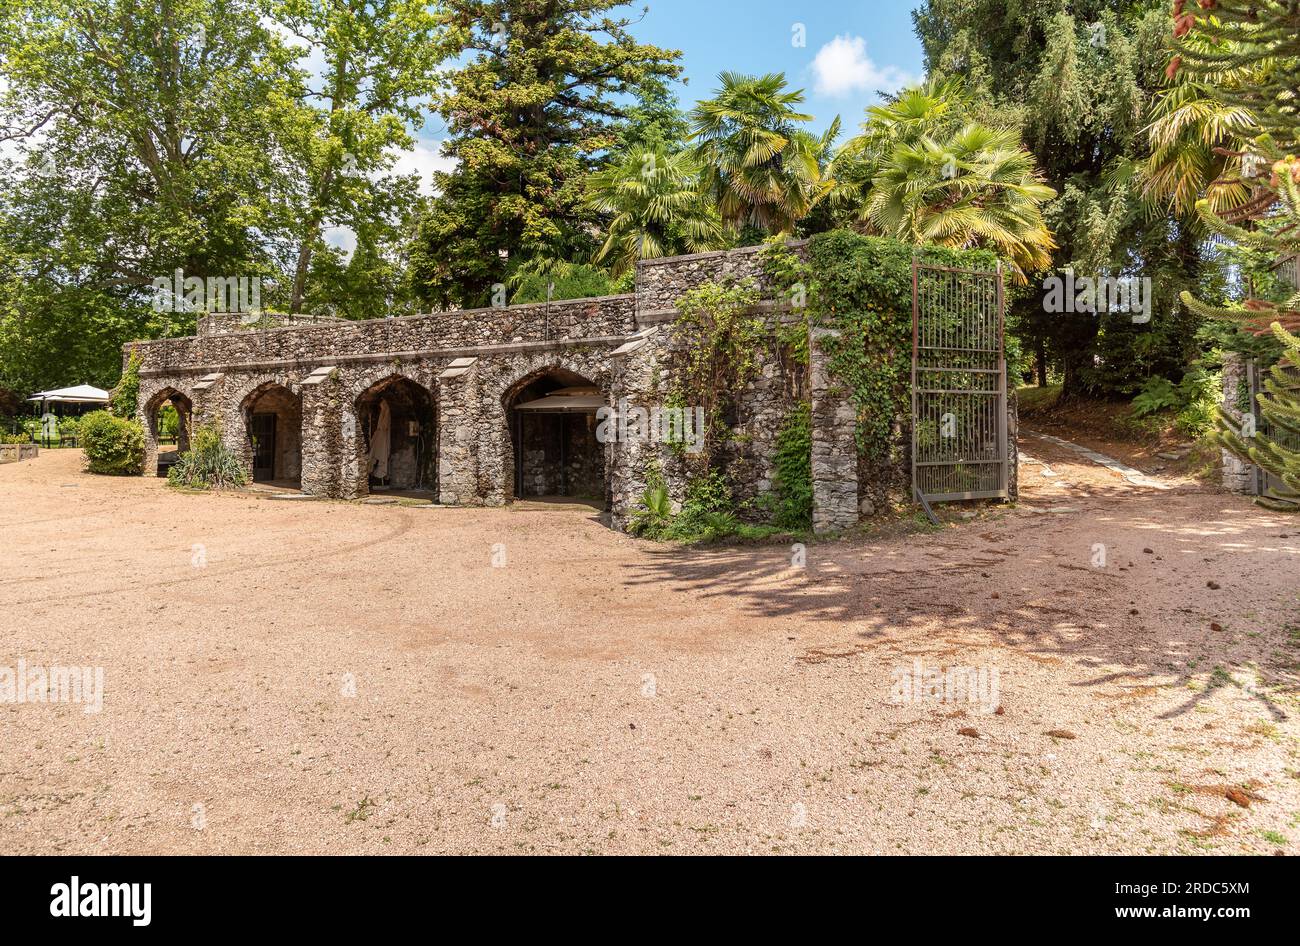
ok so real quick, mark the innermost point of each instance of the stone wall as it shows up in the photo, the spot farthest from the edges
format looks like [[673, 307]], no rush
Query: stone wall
[[472, 364], [441, 334], [660, 282]]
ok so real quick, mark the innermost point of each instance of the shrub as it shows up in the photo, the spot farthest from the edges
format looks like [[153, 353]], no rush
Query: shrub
[[208, 464], [114, 446], [655, 514], [1195, 400]]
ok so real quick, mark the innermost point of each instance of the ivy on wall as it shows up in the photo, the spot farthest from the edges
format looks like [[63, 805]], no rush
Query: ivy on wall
[[722, 339], [861, 287], [793, 491]]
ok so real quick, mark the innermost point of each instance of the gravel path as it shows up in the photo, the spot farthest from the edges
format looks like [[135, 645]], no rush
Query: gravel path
[[600, 694]]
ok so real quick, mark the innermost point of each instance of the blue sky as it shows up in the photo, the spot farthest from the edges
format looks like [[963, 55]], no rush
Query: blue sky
[[851, 49]]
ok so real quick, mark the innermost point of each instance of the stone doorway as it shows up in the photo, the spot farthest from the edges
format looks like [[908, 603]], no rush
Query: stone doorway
[[273, 426], [168, 417], [555, 453], [397, 438]]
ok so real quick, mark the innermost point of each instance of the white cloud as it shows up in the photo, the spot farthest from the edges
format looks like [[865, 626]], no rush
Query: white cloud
[[843, 66], [423, 159]]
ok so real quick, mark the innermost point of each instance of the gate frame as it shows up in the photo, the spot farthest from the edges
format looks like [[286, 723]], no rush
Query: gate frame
[[1003, 490]]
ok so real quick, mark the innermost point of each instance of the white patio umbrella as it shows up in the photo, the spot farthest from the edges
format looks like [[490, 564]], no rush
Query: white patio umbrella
[[80, 394]]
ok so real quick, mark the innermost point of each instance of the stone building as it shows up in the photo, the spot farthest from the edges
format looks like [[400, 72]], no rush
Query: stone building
[[482, 406]]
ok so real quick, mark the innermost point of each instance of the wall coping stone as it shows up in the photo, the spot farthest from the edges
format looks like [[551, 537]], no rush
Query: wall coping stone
[[379, 357]]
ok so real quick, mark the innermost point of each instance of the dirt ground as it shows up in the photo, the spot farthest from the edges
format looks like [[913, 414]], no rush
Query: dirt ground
[[340, 678]]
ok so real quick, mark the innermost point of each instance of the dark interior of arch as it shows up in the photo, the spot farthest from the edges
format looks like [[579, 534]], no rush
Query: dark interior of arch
[[274, 420], [555, 454], [412, 435]]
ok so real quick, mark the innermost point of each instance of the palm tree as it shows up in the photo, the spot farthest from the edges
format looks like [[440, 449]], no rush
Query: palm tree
[[1191, 129], [658, 208], [760, 167], [935, 108], [977, 187]]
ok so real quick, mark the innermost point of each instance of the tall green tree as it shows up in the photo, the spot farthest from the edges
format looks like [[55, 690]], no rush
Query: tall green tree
[[546, 90], [381, 60], [763, 169], [1076, 81], [144, 140]]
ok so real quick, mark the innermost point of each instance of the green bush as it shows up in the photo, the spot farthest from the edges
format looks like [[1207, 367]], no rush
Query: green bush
[[114, 446], [655, 514], [208, 464], [1195, 400]]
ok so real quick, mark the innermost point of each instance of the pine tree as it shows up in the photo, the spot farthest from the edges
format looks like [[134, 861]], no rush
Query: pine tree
[[1263, 36], [545, 91]]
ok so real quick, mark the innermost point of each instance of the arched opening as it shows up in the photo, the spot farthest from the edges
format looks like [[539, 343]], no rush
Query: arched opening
[[168, 417], [273, 421], [397, 440], [553, 426]]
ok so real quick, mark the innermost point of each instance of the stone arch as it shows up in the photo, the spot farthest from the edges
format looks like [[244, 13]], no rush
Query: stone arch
[[552, 452], [156, 458], [269, 419], [396, 440]]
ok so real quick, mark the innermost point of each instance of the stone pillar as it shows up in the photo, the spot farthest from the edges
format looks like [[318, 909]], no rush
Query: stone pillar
[[322, 458], [834, 443], [457, 456], [1238, 475], [354, 478], [1013, 451]]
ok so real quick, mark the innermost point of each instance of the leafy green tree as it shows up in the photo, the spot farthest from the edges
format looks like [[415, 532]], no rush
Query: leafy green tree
[[534, 109], [381, 63], [1076, 81], [657, 208], [144, 135], [151, 123], [761, 168]]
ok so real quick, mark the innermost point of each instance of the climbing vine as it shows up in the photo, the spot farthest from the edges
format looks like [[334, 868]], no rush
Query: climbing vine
[[861, 287], [122, 400], [721, 338], [793, 465]]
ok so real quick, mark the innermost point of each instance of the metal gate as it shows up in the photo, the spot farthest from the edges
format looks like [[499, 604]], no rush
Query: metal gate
[[959, 385], [1264, 480]]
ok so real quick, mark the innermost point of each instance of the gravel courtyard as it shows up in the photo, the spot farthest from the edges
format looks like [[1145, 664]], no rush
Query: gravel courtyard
[[318, 677]]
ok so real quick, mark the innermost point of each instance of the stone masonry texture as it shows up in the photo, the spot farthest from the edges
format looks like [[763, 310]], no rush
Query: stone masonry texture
[[321, 379]]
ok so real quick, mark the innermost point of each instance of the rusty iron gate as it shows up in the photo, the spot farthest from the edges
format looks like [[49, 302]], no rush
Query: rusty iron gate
[[959, 385], [1264, 480]]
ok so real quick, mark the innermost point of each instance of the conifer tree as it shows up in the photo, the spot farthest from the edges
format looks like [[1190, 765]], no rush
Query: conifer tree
[[1225, 37]]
